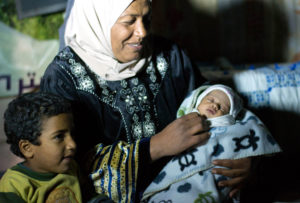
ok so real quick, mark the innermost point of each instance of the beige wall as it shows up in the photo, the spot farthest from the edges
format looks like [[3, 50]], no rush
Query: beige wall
[[7, 158]]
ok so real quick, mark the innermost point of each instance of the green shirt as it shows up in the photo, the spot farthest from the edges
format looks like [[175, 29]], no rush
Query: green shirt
[[20, 184]]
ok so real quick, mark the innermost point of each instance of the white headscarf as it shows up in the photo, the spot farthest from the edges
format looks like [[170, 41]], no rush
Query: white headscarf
[[88, 32]]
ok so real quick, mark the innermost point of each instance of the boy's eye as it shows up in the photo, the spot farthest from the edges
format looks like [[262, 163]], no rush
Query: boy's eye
[[59, 136]]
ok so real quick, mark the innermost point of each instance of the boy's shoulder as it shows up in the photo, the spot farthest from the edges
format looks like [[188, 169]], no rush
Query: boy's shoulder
[[12, 176], [18, 180], [11, 183]]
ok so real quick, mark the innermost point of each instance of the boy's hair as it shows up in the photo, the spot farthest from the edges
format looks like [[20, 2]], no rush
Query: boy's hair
[[24, 116]]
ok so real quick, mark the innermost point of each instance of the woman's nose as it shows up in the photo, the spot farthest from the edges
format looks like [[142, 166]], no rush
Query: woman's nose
[[140, 29]]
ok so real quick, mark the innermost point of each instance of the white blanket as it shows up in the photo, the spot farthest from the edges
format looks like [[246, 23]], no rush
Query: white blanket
[[274, 86], [188, 177]]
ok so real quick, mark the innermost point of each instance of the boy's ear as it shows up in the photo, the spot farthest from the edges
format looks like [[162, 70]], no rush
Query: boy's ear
[[26, 148]]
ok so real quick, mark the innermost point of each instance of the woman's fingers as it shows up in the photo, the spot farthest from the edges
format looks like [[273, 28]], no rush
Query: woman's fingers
[[231, 173], [193, 123], [238, 171], [233, 192], [232, 182], [180, 135], [243, 164]]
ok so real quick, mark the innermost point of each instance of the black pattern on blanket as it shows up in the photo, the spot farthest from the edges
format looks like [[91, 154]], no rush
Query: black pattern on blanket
[[188, 177]]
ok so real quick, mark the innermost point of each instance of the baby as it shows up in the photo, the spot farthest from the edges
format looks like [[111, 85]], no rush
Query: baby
[[218, 103], [236, 133]]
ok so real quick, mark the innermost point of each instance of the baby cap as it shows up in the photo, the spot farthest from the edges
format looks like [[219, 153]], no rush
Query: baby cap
[[236, 103]]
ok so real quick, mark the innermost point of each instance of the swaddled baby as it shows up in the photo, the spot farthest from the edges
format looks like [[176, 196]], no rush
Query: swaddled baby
[[236, 133]]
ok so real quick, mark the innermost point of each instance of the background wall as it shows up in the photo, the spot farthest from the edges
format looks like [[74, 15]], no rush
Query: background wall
[[243, 31], [7, 158]]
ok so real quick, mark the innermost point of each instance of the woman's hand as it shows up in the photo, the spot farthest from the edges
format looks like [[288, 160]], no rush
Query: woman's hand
[[239, 171], [183, 133]]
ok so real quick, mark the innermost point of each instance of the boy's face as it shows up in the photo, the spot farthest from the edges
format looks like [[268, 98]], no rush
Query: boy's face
[[214, 104], [57, 147]]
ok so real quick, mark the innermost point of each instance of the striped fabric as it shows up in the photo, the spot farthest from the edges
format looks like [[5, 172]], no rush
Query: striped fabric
[[115, 171]]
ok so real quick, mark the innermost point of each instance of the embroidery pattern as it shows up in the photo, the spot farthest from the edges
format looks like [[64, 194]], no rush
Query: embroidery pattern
[[107, 95], [134, 95], [82, 80]]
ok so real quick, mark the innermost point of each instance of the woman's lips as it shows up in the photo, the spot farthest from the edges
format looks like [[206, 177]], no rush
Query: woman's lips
[[136, 46]]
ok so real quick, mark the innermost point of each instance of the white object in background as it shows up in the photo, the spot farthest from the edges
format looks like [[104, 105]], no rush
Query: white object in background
[[275, 86], [23, 61]]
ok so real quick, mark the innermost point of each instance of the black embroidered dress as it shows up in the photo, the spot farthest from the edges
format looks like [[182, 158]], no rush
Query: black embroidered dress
[[130, 110]]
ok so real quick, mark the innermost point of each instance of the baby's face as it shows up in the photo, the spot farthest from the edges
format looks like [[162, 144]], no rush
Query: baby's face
[[214, 104]]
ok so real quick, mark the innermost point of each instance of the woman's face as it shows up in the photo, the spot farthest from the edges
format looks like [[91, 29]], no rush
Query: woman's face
[[129, 32]]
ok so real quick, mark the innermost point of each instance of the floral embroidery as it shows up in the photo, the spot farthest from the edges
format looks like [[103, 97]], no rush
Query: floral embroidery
[[65, 55], [77, 69], [162, 64], [86, 84], [140, 93], [149, 126], [84, 81], [123, 83], [136, 127], [126, 94], [107, 95], [136, 95], [143, 129], [101, 81], [151, 71], [135, 81], [162, 67]]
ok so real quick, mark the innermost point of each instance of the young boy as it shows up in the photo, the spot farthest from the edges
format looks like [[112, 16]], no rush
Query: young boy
[[236, 133], [39, 127]]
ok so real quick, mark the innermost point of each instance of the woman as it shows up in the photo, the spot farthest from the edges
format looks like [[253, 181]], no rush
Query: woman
[[126, 86]]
